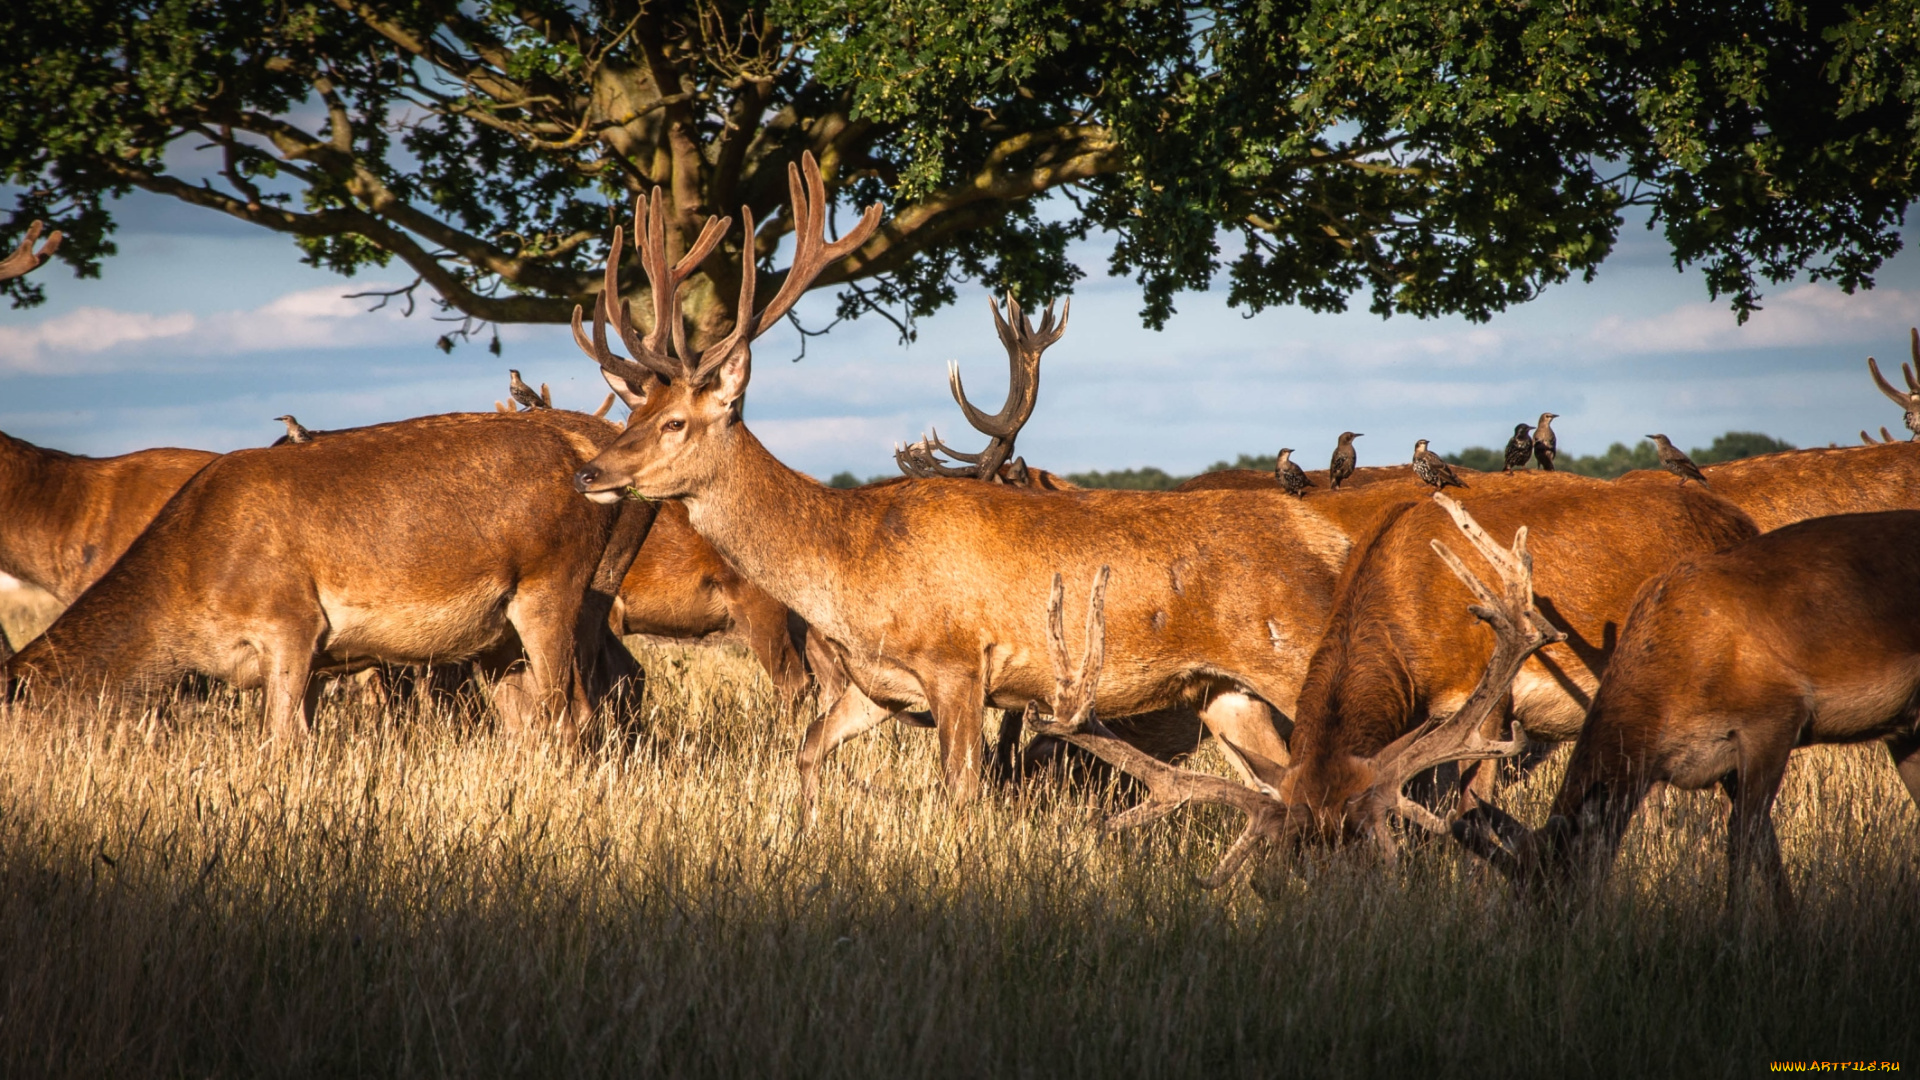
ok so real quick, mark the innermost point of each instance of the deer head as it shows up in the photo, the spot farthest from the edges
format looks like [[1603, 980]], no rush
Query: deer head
[[1024, 346], [686, 405]]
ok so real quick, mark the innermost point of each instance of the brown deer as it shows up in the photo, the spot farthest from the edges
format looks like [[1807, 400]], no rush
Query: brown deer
[[1808, 634], [908, 581], [1520, 631], [436, 539]]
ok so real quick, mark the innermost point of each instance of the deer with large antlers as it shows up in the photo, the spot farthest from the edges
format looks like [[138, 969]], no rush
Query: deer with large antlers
[[996, 463], [908, 580], [1808, 634], [437, 539], [1520, 630]]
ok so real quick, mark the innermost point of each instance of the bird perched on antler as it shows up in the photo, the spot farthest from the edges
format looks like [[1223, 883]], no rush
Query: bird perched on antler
[[1432, 469], [1519, 448], [1545, 446], [1675, 462], [1910, 401], [1289, 475], [1344, 458], [524, 394], [295, 433]]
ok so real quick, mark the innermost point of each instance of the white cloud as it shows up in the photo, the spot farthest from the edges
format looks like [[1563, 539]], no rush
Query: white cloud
[[1802, 316], [92, 339]]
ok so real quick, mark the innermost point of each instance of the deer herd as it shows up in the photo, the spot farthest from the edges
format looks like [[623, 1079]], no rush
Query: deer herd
[[1335, 643]]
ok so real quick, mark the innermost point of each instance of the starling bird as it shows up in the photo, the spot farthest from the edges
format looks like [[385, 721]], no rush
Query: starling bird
[[524, 394], [1289, 474], [1432, 469], [1341, 466], [1519, 448], [1544, 444], [295, 433], [1675, 462]]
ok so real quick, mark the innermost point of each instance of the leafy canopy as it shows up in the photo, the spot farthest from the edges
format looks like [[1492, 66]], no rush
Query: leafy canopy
[[1434, 155]]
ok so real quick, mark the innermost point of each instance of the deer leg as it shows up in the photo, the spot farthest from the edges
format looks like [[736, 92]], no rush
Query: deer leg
[[1244, 726], [544, 619], [957, 707], [1004, 762], [853, 714], [287, 672], [763, 622], [1906, 758], [1751, 841]]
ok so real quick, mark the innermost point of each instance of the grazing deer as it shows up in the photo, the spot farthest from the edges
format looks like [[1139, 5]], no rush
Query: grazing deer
[[1808, 634], [1400, 649], [437, 539], [1520, 630], [908, 581]]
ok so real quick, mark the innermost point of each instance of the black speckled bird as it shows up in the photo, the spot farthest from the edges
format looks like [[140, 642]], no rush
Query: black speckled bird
[[1344, 458], [1545, 446], [1432, 469], [525, 394], [1675, 462], [1289, 474], [1519, 448], [295, 433]]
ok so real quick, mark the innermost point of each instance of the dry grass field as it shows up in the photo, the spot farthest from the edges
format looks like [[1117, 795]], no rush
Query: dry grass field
[[412, 896]]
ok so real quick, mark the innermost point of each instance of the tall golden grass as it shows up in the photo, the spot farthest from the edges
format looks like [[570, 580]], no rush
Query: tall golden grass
[[412, 895]]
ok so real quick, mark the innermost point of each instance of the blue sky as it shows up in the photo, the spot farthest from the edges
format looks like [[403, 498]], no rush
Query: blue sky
[[202, 330]]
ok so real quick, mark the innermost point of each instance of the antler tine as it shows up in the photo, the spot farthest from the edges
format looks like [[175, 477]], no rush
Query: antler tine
[[917, 460], [610, 362], [24, 258], [1519, 629], [1886, 387], [1913, 335], [811, 251], [1168, 787]]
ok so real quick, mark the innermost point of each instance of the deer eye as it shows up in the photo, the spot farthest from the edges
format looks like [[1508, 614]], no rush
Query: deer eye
[[673, 425]]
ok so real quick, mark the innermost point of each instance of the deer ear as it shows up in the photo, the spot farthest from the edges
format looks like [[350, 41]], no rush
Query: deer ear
[[730, 378], [634, 396]]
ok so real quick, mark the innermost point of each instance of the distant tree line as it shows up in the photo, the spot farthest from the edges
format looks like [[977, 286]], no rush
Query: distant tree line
[[1618, 459]]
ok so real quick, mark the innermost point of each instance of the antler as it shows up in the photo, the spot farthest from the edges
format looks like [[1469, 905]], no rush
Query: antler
[[1885, 437], [1519, 629], [1168, 787], [24, 258], [1909, 401], [1024, 347], [812, 254]]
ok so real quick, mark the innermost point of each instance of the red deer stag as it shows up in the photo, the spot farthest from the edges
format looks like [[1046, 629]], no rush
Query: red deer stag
[[909, 580], [1520, 631], [436, 539], [1809, 634]]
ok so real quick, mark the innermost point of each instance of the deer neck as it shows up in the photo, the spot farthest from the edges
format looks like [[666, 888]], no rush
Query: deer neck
[[783, 531]]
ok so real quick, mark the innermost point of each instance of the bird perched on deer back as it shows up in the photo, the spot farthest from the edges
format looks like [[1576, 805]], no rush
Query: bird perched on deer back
[[1519, 448], [524, 394], [295, 433], [1432, 469], [1341, 466], [1545, 446], [1289, 475], [1675, 462]]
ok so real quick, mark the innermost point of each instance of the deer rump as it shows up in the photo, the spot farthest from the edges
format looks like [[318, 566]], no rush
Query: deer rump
[[1401, 644], [436, 539]]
